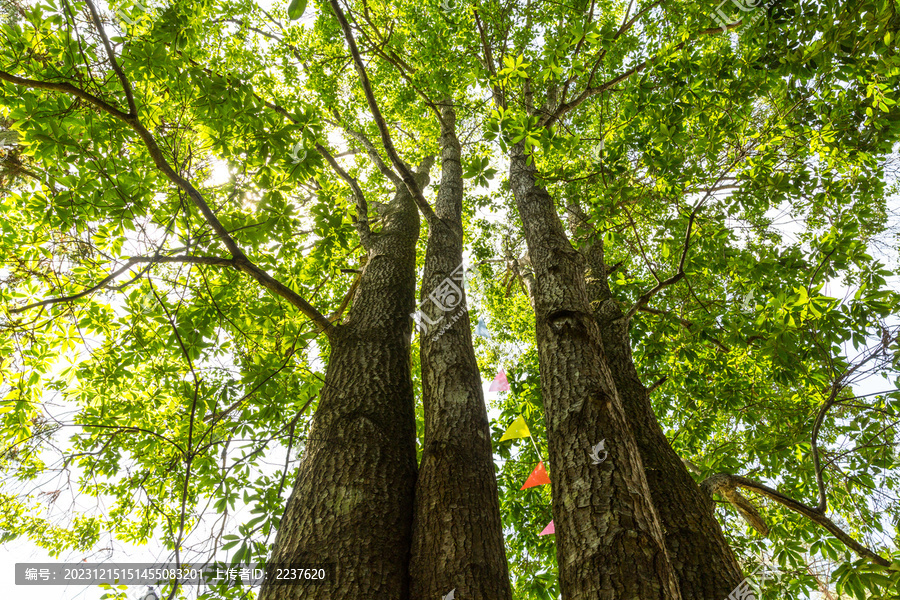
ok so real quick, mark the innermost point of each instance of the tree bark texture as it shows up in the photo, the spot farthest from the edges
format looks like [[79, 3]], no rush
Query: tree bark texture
[[609, 542], [352, 502], [457, 530], [705, 566]]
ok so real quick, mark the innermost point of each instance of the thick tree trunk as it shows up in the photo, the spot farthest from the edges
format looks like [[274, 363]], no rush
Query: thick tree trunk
[[457, 532], [610, 545], [352, 502], [704, 564]]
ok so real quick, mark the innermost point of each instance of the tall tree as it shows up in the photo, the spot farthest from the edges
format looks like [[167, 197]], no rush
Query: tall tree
[[457, 535], [351, 506], [187, 182], [605, 517]]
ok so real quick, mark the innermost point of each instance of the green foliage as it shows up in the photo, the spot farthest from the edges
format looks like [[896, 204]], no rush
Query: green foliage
[[179, 394]]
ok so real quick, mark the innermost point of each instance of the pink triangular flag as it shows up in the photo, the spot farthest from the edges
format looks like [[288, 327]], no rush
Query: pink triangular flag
[[548, 529], [500, 384], [538, 477]]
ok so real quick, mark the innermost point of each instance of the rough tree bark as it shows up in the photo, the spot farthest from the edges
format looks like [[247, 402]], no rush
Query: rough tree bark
[[609, 542], [352, 502], [705, 566], [457, 530]]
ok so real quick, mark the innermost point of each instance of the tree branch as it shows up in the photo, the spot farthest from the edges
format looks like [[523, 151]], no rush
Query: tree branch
[[646, 296], [239, 260], [405, 173], [73, 297], [66, 88], [151, 145], [566, 107], [240, 264], [362, 208], [679, 274], [820, 484], [398, 63], [361, 220], [496, 90], [657, 383], [126, 85], [724, 481], [370, 149], [685, 323]]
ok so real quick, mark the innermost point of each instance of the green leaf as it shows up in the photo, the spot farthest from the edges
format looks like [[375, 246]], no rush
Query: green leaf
[[296, 9]]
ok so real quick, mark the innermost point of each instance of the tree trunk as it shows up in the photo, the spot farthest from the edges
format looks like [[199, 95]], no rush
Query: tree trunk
[[352, 502], [609, 543], [705, 566], [704, 563], [457, 531]]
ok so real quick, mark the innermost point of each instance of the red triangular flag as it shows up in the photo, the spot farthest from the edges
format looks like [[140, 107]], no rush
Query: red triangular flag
[[500, 383], [537, 477], [548, 529]]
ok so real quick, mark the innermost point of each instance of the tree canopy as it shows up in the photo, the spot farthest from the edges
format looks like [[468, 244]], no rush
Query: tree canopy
[[181, 228]]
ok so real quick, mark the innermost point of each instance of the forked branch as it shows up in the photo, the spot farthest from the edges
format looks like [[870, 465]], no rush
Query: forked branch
[[239, 260], [723, 482], [405, 173]]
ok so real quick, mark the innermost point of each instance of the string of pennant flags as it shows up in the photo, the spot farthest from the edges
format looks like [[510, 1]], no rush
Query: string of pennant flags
[[519, 429]]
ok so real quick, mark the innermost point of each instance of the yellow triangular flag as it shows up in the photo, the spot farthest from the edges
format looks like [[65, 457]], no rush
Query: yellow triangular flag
[[518, 429]]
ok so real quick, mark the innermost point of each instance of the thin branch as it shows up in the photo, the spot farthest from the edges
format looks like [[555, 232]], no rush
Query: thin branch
[[336, 315], [566, 107], [243, 265], [679, 274], [80, 294], [684, 322], [370, 149], [129, 428], [129, 95], [646, 296], [657, 383], [820, 484], [361, 219], [489, 61], [398, 63], [637, 237], [66, 88]]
